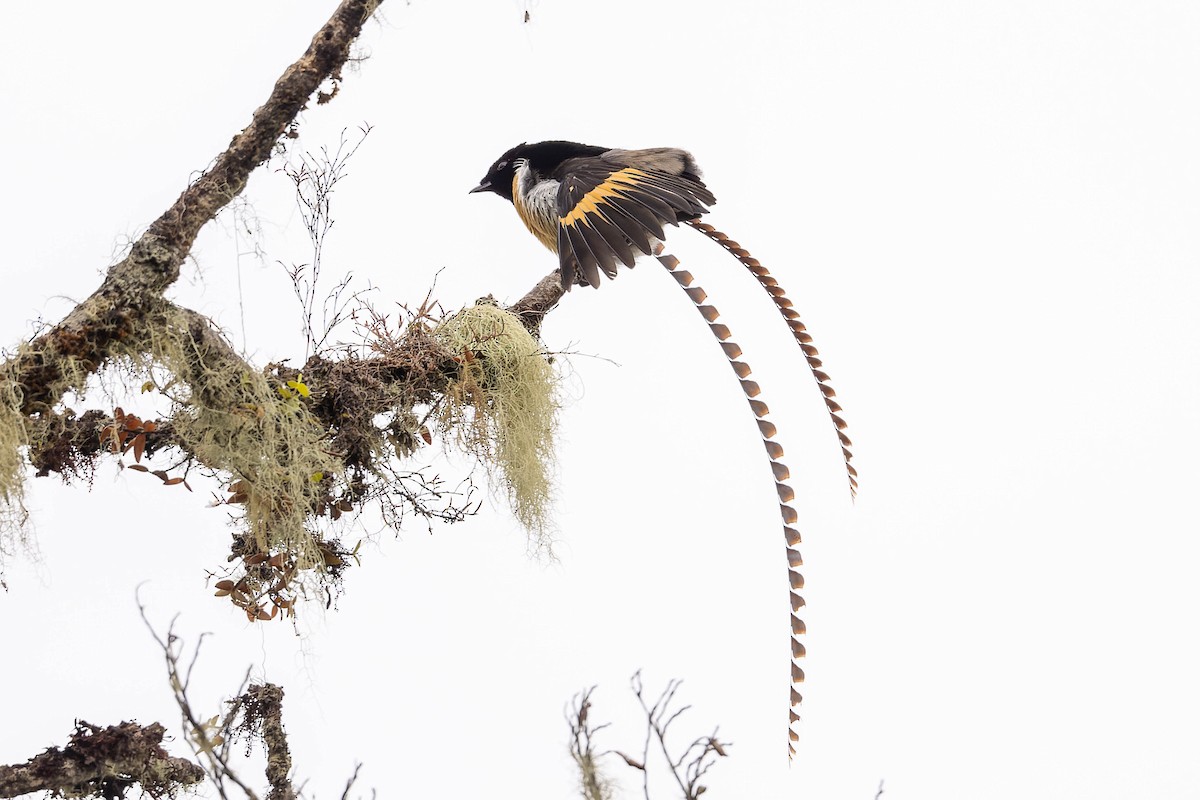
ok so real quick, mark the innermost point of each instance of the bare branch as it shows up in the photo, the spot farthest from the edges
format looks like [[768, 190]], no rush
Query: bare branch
[[315, 177], [699, 756], [687, 769], [593, 784], [537, 302], [208, 740], [350, 782]]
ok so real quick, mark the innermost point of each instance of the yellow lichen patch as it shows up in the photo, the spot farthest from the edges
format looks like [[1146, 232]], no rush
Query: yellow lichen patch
[[503, 408]]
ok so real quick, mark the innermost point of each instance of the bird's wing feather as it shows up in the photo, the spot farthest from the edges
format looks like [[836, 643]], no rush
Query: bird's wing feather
[[610, 209], [671, 160], [577, 259], [568, 266]]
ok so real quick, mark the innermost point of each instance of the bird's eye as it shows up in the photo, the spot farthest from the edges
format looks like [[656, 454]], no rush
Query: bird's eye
[[501, 165]]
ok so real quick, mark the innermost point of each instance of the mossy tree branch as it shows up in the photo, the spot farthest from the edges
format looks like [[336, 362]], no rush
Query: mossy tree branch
[[263, 706], [128, 317], [287, 453], [103, 762], [115, 310], [130, 299]]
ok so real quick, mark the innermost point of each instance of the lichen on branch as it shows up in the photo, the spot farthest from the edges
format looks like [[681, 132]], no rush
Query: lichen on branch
[[103, 762], [502, 408], [90, 331], [287, 458]]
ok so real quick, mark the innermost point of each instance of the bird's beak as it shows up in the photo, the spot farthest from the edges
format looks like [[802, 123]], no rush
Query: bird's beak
[[483, 187]]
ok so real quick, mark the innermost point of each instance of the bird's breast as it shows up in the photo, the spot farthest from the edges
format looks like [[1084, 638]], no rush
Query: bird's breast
[[537, 206]]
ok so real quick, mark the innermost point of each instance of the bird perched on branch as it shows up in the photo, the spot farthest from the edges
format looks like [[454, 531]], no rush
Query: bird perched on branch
[[595, 206], [598, 207]]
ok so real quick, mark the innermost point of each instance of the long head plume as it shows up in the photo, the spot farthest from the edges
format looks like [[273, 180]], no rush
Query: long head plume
[[792, 318], [780, 471]]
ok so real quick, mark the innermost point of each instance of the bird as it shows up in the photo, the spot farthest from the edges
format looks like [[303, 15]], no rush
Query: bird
[[599, 207], [595, 205]]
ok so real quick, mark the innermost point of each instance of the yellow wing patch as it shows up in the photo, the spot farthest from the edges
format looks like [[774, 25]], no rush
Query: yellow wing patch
[[590, 203]]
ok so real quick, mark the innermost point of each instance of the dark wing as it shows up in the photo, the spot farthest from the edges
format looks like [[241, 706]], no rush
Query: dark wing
[[609, 213], [671, 160]]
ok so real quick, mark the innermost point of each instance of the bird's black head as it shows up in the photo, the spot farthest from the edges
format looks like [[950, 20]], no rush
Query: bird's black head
[[542, 158], [499, 177]]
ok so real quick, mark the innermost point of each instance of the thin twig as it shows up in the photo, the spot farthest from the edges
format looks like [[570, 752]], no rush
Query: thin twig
[[196, 733], [351, 780], [593, 784], [706, 749]]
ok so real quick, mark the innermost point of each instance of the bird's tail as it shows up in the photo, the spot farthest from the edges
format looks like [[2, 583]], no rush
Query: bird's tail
[[792, 318], [778, 468]]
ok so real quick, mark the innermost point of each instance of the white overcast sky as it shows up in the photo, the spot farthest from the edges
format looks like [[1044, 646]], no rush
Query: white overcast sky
[[987, 214]]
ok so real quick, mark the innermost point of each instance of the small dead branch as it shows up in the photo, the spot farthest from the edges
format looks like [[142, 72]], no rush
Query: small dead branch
[[693, 761], [593, 784], [210, 739], [687, 768], [350, 784], [315, 176], [255, 714]]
